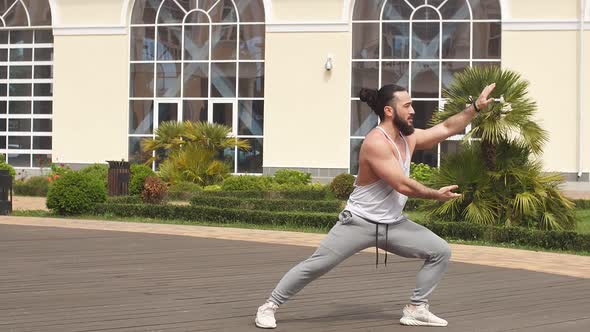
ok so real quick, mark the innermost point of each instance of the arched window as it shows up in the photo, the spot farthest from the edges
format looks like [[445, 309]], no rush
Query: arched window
[[26, 82], [198, 60], [420, 45]]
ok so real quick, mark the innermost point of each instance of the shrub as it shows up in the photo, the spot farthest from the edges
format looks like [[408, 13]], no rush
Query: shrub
[[267, 204], [292, 177], [59, 170], [422, 173], [182, 191], [75, 193], [247, 182], [226, 216], [342, 185], [311, 193], [154, 190], [138, 175], [33, 186], [185, 187], [190, 151], [98, 171], [500, 176], [582, 203], [213, 187], [5, 165]]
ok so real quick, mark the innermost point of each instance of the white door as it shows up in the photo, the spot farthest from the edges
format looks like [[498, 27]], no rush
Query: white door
[[166, 110], [224, 111]]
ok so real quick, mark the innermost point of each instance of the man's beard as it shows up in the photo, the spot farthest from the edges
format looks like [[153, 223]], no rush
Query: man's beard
[[404, 127]]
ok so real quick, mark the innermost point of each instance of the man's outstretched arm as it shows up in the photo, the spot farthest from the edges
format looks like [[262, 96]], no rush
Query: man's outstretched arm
[[387, 168], [426, 139]]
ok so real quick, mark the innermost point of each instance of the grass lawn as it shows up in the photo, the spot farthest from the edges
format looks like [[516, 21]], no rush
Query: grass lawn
[[583, 221]]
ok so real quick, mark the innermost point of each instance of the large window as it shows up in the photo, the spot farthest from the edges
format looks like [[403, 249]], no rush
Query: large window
[[199, 61], [26, 82], [420, 45]]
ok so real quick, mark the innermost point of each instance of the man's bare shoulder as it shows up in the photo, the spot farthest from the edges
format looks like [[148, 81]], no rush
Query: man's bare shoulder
[[374, 144], [373, 139]]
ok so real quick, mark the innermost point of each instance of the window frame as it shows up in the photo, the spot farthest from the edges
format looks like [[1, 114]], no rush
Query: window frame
[[209, 99], [31, 97], [410, 60]]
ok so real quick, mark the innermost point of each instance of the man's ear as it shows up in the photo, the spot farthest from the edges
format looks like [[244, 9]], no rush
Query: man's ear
[[388, 110]]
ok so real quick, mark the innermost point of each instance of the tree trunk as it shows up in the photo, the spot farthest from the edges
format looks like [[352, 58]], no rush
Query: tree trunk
[[489, 154]]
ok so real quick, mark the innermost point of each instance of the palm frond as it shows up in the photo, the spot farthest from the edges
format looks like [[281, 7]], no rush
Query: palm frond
[[525, 204], [480, 212], [549, 222]]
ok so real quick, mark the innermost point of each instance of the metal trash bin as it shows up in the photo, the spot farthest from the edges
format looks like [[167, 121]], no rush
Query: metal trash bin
[[5, 192], [118, 178]]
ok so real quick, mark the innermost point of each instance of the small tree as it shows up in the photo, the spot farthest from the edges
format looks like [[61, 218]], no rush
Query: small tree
[[190, 151], [498, 173]]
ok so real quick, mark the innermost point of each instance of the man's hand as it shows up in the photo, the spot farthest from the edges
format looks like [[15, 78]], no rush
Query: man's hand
[[427, 138], [445, 193], [483, 101]]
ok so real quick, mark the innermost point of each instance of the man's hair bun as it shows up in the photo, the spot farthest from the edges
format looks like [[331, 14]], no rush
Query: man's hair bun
[[369, 96]]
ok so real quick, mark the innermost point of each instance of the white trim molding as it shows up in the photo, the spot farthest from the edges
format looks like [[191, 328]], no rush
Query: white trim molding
[[89, 30], [348, 9], [307, 27], [127, 10], [543, 25], [267, 10], [55, 19]]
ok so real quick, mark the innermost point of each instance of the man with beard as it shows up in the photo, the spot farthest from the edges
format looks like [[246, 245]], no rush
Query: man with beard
[[373, 214]]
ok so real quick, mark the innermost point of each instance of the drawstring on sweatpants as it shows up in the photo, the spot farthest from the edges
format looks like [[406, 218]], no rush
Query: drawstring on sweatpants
[[377, 237], [377, 243]]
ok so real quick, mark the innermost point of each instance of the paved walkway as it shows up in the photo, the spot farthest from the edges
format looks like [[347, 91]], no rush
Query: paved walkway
[[71, 279], [569, 265], [28, 203]]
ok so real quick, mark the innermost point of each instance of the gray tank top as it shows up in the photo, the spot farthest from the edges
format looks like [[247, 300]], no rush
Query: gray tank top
[[378, 201]]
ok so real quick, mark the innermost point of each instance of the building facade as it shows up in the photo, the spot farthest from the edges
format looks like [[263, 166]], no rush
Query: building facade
[[85, 81]]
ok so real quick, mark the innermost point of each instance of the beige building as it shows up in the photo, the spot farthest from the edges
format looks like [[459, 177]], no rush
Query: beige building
[[85, 81]]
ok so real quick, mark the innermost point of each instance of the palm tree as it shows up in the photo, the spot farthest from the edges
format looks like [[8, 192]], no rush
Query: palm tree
[[189, 151], [498, 170]]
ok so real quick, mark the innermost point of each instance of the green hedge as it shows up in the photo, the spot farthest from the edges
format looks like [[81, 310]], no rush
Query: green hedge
[[183, 191], [124, 200], [582, 203], [306, 194], [562, 240], [212, 214], [332, 206], [180, 195]]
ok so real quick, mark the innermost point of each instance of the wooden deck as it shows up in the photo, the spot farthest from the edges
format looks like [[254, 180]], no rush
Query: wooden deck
[[56, 279]]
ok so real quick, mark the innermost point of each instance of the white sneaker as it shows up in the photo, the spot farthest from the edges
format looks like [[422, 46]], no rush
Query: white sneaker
[[265, 317], [421, 316]]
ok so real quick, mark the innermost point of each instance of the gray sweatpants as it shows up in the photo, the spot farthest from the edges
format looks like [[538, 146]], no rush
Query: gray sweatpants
[[353, 234]]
